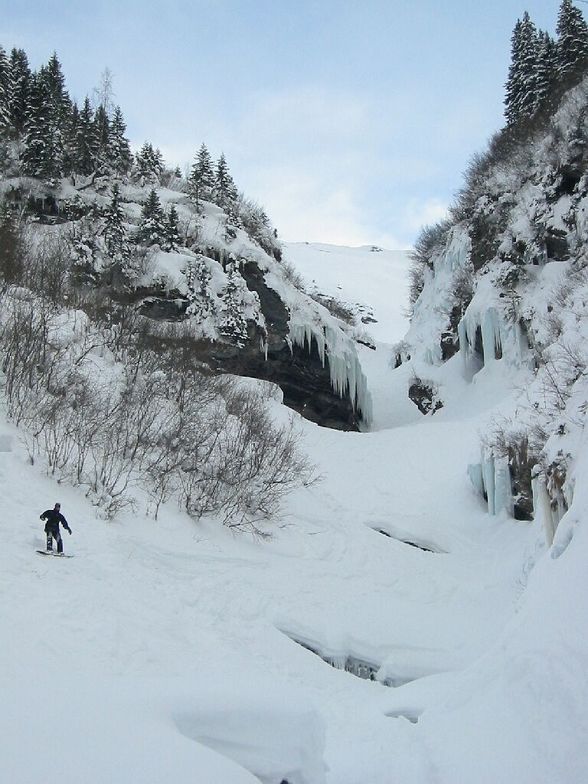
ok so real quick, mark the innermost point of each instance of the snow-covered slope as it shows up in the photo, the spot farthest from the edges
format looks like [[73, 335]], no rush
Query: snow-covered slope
[[371, 281], [172, 650], [399, 625]]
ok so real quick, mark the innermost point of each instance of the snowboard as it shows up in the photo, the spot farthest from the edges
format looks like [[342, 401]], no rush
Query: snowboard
[[57, 555]]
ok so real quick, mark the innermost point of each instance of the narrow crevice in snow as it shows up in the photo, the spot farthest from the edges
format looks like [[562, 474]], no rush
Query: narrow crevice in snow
[[358, 667], [361, 668], [426, 547], [410, 714]]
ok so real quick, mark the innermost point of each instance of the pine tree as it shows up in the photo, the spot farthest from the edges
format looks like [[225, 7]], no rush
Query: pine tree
[[233, 324], [522, 98], [20, 85], [572, 42], [42, 153], [171, 230], [152, 226], [225, 191], [101, 134], [201, 302], [5, 125], [149, 163], [84, 251], [201, 179], [115, 233], [120, 156], [70, 135], [60, 100], [85, 141], [545, 67]]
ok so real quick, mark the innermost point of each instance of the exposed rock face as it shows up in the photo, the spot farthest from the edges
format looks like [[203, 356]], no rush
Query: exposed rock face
[[215, 284], [424, 396], [305, 383]]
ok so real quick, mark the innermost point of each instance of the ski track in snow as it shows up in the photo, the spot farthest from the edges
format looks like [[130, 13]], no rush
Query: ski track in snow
[[165, 650]]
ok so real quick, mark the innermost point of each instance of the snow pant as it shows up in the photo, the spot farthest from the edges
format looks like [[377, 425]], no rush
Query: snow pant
[[54, 533]]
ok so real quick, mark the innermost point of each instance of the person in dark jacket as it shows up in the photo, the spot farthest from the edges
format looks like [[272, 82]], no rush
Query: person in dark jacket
[[53, 518]]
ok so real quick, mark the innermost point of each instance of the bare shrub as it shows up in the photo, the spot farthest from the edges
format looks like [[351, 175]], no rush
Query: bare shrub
[[292, 275], [47, 267], [247, 463], [160, 423]]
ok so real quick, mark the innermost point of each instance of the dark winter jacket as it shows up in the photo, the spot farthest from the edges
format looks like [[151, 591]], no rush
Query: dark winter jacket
[[53, 518]]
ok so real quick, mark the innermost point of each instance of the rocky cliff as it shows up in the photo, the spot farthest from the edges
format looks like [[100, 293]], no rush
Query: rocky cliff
[[501, 288]]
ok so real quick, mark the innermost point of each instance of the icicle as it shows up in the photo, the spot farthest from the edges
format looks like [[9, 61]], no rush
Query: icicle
[[464, 345], [543, 510], [488, 478], [491, 341], [476, 477], [503, 500], [347, 378]]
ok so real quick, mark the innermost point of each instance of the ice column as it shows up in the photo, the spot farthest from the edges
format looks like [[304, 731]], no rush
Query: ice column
[[491, 478]]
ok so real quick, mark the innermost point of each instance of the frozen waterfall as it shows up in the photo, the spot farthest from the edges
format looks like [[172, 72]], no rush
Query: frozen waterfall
[[334, 347], [485, 337]]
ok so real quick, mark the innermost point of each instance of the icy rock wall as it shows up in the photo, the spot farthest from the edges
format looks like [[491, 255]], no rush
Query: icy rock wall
[[433, 308], [347, 377]]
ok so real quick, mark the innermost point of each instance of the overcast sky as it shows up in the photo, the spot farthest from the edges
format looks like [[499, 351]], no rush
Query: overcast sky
[[350, 122]]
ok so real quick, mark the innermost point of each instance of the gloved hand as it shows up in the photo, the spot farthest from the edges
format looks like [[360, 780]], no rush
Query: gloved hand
[[69, 529]]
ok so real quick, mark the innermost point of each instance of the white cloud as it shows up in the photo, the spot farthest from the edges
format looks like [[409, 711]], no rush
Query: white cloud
[[310, 207], [419, 213]]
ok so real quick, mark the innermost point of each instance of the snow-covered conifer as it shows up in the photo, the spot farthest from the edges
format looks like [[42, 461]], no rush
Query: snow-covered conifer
[[225, 190], [521, 98], [572, 41], [85, 141], [43, 149], [115, 233], [102, 139], [152, 226], [20, 80], [201, 302], [4, 94], [233, 325], [201, 179], [545, 66], [69, 135], [59, 97], [171, 228], [149, 163], [120, 156]]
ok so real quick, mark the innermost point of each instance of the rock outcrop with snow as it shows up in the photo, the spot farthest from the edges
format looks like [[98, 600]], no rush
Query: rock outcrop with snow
[[229, 287], [504, 290]]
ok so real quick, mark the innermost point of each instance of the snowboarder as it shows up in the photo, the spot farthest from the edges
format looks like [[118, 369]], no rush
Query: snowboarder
[[53, 518]]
